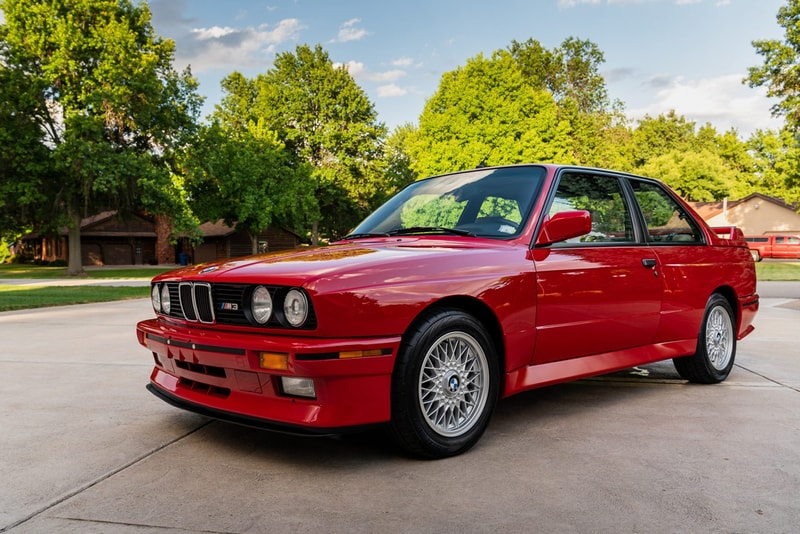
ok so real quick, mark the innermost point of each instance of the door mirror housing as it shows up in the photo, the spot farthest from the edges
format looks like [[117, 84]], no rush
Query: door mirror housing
[[565, 225]]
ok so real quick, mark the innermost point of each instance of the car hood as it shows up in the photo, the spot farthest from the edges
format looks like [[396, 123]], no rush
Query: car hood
[[355, 263]]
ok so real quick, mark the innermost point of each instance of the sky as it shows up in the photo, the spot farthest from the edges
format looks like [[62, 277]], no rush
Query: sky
[[660, 55]]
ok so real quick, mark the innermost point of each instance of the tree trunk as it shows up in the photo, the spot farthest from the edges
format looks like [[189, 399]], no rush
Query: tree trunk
[[75, 260], [253, 242], [315, 233]]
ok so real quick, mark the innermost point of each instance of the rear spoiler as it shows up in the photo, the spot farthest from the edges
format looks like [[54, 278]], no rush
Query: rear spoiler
[[730, 235]]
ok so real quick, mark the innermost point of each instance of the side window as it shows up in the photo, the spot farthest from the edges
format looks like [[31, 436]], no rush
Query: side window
[[779, 240], [602, 197], [667, 222]]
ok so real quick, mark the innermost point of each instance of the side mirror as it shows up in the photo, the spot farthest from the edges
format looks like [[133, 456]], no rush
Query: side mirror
[[565, 225]]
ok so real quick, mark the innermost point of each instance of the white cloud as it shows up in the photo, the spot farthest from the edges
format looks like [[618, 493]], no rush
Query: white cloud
[[403, 62], [391, 90], [722, 101], [358, 71], [232, 48], [349, 32]]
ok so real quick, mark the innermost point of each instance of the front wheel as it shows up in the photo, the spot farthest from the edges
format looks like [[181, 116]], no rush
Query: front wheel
[[716, 345], [445, 385]]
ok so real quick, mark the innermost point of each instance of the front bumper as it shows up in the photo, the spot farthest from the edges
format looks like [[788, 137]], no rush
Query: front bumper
[[217, 373]]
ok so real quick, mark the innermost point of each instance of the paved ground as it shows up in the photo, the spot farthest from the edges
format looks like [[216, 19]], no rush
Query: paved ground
[[85, 449]]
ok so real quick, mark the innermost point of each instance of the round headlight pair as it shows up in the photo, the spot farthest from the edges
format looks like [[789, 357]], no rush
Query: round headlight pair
[[261, 304], [295, 306], [159, 296]]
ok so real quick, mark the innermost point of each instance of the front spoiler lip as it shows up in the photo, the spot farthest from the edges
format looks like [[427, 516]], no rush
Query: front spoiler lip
[[254, 422]]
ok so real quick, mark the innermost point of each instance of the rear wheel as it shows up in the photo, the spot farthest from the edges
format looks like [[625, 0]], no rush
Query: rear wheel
[[445, 385], [716, 345]]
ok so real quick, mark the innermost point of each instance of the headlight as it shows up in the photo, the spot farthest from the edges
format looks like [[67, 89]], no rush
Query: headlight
[[261, 304], [295, 307], [155, 298], [165, 302]]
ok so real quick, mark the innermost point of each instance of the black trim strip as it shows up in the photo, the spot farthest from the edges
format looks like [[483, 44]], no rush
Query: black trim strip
[[195, 346], [253, 422]]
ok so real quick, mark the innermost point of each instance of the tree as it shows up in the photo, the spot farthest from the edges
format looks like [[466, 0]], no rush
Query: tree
[[102, 90], [248, 179], [323, 116], [397, 172], [697, 176], [780, 72], [655, 136], [486, 114], [569, 72], [23, 160], [776, 165]]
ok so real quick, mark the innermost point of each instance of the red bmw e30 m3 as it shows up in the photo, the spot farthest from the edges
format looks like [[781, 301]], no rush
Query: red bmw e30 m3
[[463, 289]]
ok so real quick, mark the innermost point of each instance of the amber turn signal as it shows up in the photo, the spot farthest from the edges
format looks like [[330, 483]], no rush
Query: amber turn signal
[[274, 361], [359, 353]]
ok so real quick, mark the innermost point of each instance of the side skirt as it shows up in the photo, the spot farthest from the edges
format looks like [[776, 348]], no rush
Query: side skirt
[[535, 376]]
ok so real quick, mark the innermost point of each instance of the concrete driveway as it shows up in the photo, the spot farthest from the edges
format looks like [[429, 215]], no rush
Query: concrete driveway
[[84, 448]]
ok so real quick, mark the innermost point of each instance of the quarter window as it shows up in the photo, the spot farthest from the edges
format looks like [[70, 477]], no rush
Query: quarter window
[[667, 221]]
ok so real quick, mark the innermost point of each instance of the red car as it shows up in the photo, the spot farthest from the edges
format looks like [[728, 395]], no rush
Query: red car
[[774, 246], [461, 290]]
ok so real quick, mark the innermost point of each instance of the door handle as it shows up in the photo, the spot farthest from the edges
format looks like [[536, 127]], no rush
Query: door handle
[[649, 262]]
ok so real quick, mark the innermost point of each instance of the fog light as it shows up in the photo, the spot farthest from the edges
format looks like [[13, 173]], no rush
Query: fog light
[[299, 387]]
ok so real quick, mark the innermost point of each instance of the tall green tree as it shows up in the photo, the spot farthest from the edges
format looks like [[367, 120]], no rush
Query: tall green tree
[[486, 114], [24, 160], [102, 89], [323, 116], [700, 176], [655, 136], [780, 72], [247, 178], [570, 71], [776, 165], [571, 74]]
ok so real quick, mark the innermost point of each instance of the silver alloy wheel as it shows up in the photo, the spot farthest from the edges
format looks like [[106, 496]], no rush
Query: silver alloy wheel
[[453, 384], [719, 338]]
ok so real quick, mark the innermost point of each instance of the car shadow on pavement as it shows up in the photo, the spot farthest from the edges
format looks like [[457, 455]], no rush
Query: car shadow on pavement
[[374, 445]]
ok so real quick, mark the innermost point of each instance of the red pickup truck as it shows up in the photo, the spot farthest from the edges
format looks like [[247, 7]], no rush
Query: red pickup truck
[[774, 246]]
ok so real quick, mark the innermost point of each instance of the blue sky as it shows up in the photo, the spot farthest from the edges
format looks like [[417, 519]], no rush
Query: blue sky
[[686, 55]]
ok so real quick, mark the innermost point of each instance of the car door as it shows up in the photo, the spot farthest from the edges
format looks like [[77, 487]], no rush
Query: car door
[[683, 260], [600, 292]]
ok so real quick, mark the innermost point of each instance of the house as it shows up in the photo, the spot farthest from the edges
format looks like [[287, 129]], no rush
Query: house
[[755, 214], [106, 239], [109, 239], [222, 241]]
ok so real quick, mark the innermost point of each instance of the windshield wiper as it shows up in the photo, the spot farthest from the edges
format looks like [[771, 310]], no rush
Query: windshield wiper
[[431, 230], [364, 235]]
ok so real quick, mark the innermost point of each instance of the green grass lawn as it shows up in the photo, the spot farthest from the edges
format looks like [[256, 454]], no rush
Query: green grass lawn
[[26, 297], [778, 271], [12, 270]]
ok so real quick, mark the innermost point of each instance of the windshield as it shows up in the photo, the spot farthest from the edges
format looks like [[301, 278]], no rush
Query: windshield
[[491, 202]]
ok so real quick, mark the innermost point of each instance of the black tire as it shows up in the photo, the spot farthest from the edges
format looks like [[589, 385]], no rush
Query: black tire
[[445, 385], [716, 345]]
